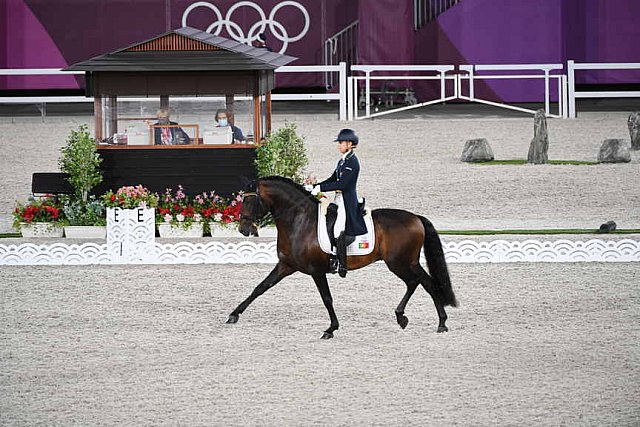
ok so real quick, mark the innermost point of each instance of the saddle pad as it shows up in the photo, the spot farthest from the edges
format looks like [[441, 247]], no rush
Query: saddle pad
[[363, 245]]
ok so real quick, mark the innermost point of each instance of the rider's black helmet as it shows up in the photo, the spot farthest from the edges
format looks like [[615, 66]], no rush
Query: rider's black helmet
[[348, 135]]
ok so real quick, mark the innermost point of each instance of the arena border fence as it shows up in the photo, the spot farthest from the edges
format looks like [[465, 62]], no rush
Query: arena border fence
[[573, 66], [340, 95], [250, 252]]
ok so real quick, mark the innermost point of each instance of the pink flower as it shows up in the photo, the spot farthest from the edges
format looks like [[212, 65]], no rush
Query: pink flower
[[168, 218], [180, 218], [197, 217]]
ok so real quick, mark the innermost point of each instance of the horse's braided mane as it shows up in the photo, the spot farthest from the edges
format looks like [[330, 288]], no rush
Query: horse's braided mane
[[293, 184]]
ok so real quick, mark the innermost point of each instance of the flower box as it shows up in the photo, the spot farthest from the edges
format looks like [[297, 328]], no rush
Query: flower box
[[230, 230], [85, 232], [178, 231], [40, 229], [268, 231]]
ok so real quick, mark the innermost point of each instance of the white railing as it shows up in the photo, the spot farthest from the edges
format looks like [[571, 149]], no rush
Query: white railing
[[341, 47], [469, 73], [353, 85], [572, 66], [340, 96]]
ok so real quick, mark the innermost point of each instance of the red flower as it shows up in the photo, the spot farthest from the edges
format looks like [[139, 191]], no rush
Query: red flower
[[113, 197]]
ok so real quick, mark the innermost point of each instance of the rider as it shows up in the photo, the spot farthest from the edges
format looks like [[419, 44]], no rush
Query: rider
[[343, 182]]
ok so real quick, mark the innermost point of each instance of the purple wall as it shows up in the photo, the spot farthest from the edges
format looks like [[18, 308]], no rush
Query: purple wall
[[48, 34], [544, 31]]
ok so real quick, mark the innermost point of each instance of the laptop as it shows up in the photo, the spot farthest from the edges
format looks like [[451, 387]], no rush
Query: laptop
[[219, 135]]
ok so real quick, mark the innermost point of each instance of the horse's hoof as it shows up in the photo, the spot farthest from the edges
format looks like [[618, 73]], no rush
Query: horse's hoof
[[442, 329], [403, 321], [233, 318], [327, 335]]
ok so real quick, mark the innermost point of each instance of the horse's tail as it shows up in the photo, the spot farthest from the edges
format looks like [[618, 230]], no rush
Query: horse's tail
[[437, 264]]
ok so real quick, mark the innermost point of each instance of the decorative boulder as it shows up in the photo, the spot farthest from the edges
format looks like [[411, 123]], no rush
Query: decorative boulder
[[614, 151], [634, 130], [477, 150], [539, 147]]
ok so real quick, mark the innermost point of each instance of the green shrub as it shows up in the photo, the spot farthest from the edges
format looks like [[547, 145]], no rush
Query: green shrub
[[283, 153], [81, 161]]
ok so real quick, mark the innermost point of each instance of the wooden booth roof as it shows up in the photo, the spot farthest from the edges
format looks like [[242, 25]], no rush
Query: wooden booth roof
[[185, 49]]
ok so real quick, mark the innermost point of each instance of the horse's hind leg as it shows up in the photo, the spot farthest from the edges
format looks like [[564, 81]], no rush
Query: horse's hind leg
[[278, 273], [411, 280], [403, 321], [429, 285]]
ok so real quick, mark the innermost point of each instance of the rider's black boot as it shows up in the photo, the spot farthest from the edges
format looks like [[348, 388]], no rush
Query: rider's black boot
[[333, 264], [341, 251]]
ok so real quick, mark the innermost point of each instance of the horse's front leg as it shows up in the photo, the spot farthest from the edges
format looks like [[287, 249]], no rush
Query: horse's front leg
[[325, 293], [278, 273]]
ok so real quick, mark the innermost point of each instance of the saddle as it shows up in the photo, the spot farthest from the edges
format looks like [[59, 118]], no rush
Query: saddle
[[332, 216], [334, 223]]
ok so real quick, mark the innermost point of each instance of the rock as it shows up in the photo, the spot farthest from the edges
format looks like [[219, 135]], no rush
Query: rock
[[477, 150], [634, 130], [607, 227], [539, 147], [614, 151]]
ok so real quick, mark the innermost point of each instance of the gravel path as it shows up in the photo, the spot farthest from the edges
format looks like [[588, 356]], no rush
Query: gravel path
[[531, 344], [414, 164]]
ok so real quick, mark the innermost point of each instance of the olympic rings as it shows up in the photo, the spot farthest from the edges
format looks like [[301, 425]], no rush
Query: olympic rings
[[235, 31]]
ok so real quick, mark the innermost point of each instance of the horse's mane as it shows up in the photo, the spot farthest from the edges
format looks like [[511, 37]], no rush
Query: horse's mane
[[292, 184]]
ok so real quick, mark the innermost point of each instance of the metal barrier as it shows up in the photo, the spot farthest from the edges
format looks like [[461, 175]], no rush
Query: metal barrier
[[340, 96], [352, 87], [572, 66], [546, 69], [341, 47], [427, 10]]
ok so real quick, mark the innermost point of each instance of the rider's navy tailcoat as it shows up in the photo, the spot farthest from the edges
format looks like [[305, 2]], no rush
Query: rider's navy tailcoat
[[345, 178]]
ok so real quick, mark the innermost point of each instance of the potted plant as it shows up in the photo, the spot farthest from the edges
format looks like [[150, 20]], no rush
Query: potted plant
[[129, 202], [282, 153], [80, 160], [225, 222], [85, 220], [39, 218], [177, 216]]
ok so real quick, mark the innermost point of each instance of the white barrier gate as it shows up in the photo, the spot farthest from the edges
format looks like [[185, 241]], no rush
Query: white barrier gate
[[572, 66]]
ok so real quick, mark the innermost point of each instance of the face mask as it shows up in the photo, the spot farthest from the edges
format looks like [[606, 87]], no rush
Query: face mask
[[223, 122]]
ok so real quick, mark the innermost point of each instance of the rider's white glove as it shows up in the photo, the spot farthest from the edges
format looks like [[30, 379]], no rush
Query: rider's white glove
[[315, 190], [308, 187]]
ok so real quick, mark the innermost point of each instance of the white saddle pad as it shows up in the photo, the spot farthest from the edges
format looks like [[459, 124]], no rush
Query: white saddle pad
[[363, 245]]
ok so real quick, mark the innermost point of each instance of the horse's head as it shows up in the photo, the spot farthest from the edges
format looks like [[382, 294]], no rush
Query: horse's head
[[253, 209], [279, 195]]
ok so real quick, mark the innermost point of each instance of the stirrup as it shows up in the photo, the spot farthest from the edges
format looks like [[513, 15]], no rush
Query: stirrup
[[333, 265]]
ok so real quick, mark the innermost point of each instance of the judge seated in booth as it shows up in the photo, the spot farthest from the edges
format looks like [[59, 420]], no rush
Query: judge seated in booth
[[223, 121], [167, 132]]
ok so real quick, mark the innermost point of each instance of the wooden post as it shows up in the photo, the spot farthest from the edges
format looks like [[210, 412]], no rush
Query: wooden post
[[97, 112], [229, 107], [164, 102], [268, 111], [257, 119], [113, 115]]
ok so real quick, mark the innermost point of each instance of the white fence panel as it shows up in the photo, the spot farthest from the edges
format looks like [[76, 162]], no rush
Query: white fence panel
[[572, 66]]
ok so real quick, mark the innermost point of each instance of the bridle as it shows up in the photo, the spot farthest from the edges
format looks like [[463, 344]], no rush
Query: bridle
[[256, 213], [258, 207]]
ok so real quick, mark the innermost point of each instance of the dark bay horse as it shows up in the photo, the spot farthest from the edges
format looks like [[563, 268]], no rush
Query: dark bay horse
[[400, 236]]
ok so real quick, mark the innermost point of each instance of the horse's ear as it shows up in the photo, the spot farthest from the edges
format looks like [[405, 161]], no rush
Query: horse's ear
[[247, 183]]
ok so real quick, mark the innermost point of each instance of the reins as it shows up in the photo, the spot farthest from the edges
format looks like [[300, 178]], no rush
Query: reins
[[256, 214]]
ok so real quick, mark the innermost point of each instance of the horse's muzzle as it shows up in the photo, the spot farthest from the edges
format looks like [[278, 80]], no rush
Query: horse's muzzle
[[248, 228]]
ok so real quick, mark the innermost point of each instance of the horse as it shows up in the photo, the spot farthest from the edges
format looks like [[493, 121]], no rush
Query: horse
[[400, 236]]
